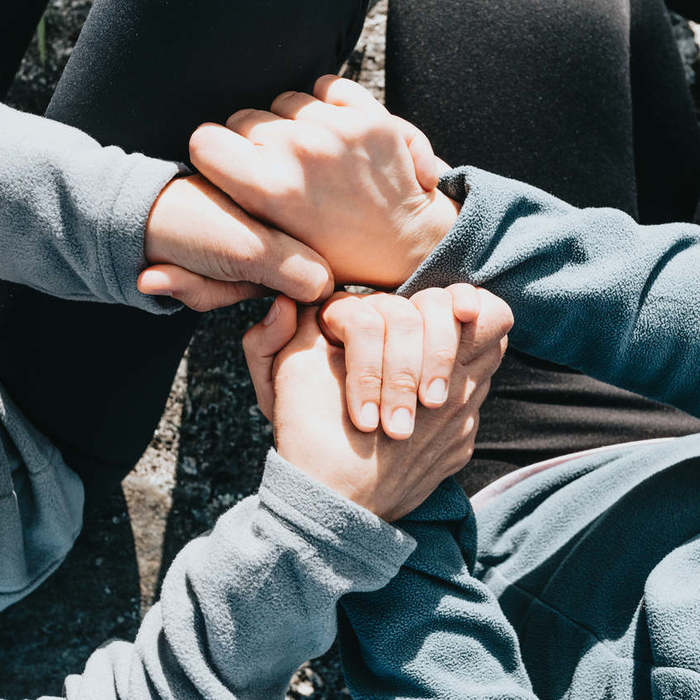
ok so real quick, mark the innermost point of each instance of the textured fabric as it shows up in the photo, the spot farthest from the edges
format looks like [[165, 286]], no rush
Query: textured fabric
[[244, 606], [41, 506], [589, 288], [597, 565], [73, 213], [71, 225], [142, 76], [586, 99]]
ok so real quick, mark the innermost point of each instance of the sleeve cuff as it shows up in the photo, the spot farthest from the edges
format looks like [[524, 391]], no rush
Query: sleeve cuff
[[316, 510], [120, 239], [490, 205]]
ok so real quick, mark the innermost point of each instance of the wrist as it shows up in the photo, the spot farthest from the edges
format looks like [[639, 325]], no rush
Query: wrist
[[167, 208], [429, 228]]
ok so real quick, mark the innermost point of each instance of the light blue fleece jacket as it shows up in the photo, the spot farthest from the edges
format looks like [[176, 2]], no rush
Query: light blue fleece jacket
[[244, 605], [72, 217]]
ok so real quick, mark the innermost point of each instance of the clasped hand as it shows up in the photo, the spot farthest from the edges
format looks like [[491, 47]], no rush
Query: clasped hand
[[300, 379], [321, 189], [328, 188]]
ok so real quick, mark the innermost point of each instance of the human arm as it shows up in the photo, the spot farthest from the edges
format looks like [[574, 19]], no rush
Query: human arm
[[78, 220], [589, 288], [435, 631], [242, 607]]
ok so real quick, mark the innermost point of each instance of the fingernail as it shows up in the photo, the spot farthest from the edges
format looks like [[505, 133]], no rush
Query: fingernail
[[401, 422], [437, 391], [158, 282], [369, 415], [272, 314]]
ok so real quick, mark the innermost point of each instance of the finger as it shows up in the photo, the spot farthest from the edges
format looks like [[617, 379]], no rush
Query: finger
[[401, 367], [494, 321], [441, 335], [300, 106], [342, 92], [196, 291], [256, 125], [442, 166], [262, 342], [232, 163], [466, 301], [426, 164], [360, 328], [285, 264]]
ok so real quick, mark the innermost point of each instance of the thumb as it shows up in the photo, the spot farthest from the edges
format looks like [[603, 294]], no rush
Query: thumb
[[426, 164], [198, 292], [262, 342]]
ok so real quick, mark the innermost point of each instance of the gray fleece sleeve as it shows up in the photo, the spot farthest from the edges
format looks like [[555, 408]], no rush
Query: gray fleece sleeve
[[589, 288], [73, 213], [245, 605]]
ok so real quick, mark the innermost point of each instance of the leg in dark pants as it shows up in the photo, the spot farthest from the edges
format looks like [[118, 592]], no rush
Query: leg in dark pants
[[587, 100], [143, 75]]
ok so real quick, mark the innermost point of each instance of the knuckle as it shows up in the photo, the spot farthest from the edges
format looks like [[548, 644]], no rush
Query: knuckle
[[435, 295], [504, 345], [364, 322], [403, 381], [507, 319], [368, 380], [201, 142], [443, 356], [199, 303], [240, 115], [285, 96]]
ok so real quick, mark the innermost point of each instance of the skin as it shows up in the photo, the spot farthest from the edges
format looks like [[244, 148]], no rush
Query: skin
[[233, 261], [350, 181], [214, 254], [334, 171], [397, 351], [300, 378]]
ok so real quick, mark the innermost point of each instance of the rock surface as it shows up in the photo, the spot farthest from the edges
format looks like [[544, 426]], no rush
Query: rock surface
[[204, 457]]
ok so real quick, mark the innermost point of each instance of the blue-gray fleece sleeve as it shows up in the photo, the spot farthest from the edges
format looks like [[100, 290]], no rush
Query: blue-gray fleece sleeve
[[434, 631], [589, 288], [73, 213], [242, 607]]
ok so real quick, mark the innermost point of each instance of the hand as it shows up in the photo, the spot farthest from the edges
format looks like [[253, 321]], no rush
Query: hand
[[397, 350], [336, 171], [299, 378], [210, 253]]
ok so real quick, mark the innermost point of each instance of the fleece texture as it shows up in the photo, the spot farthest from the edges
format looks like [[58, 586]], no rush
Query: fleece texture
[[580, 581], [245, 605], [71, 224], [589, 288], [73, 212]]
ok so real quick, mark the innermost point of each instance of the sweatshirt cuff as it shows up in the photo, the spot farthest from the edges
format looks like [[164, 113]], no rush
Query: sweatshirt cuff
[[121, 236], [322, 514], [484, 197]]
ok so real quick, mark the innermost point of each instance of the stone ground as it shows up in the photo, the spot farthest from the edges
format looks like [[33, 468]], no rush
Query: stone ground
[[204, 457]]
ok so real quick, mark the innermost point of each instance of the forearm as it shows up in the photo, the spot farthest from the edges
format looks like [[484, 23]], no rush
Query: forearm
[[589, 288], [73, 214], [242, 607], [434, 630]]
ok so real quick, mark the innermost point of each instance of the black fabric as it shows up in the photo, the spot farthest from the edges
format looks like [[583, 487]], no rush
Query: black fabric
[[687, 8], [143, 75], [19, 19], [587, 100]]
